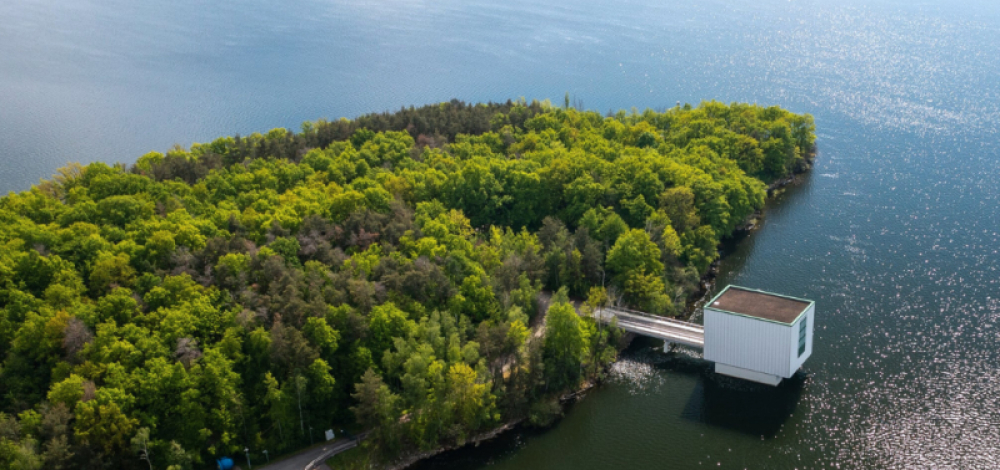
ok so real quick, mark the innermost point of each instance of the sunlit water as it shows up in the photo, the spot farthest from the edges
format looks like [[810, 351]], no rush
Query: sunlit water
[[895, 233]]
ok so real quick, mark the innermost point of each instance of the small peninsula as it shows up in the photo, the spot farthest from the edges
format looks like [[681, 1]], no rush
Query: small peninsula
[[406, 274]]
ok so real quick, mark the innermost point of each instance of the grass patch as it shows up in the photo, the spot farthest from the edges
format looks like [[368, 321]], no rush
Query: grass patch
[[358, 458]]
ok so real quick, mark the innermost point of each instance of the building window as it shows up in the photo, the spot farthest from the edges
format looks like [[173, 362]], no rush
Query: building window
[[802, 336]]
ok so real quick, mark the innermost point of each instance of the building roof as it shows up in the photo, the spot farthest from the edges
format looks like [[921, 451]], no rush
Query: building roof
[[759, 304]]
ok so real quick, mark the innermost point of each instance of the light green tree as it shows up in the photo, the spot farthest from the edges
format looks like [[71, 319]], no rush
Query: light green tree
[[566, 341]]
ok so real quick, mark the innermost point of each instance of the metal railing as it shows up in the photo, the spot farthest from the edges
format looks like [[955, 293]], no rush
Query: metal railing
[[656, 318], [668, 329]]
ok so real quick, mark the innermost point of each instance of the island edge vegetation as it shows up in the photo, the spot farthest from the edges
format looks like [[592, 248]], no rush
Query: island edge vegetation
[[406, 273]]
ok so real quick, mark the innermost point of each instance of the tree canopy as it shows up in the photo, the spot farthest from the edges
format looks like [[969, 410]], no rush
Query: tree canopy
[[387, 270]]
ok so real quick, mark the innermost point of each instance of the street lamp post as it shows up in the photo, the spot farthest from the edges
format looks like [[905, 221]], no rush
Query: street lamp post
[[247, 450]]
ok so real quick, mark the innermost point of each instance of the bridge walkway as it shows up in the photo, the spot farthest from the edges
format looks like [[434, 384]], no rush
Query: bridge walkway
[[667, 329]]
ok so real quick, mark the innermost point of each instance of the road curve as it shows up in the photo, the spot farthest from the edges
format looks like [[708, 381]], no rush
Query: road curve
[[312, 457]]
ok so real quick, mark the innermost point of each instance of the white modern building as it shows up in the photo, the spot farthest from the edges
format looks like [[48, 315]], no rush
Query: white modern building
[[757, 335]]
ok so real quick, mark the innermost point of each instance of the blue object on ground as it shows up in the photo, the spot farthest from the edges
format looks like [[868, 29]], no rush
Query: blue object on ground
[[225, 463]]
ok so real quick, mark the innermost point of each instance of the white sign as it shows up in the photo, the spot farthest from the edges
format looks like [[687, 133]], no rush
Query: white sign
[[329, 434]]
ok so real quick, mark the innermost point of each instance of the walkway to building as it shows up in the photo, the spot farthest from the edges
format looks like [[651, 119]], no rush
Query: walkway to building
[[667, 329]]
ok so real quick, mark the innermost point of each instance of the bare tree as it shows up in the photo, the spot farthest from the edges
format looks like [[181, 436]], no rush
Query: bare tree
[[187, 351], [75, 337], [89, 391]]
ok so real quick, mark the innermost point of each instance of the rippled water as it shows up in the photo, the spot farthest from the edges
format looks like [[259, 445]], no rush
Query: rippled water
[[895, 234]]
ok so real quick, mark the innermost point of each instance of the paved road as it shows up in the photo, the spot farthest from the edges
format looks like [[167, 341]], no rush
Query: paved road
[[306, 459]]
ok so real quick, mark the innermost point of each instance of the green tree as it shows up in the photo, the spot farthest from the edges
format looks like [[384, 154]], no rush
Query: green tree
[[387, 322], [634, 252], [468, 398], [699, 247], [110, 271], [566, 342], [378, 409], [678, 204], [103, 424]]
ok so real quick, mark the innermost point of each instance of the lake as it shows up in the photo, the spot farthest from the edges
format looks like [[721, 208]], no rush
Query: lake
[[895, 233]]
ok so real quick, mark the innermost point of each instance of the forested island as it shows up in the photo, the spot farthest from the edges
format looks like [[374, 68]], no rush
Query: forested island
[[384, 273]]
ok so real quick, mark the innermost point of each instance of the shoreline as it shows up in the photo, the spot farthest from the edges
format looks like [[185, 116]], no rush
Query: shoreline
[[705, 285], [752, 223], [410, 460], [564, 400]]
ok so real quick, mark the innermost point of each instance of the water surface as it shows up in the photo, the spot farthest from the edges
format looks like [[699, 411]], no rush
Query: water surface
[[895, 234]]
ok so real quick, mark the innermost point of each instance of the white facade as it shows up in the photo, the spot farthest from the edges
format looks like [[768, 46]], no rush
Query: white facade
[[757, 349]]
